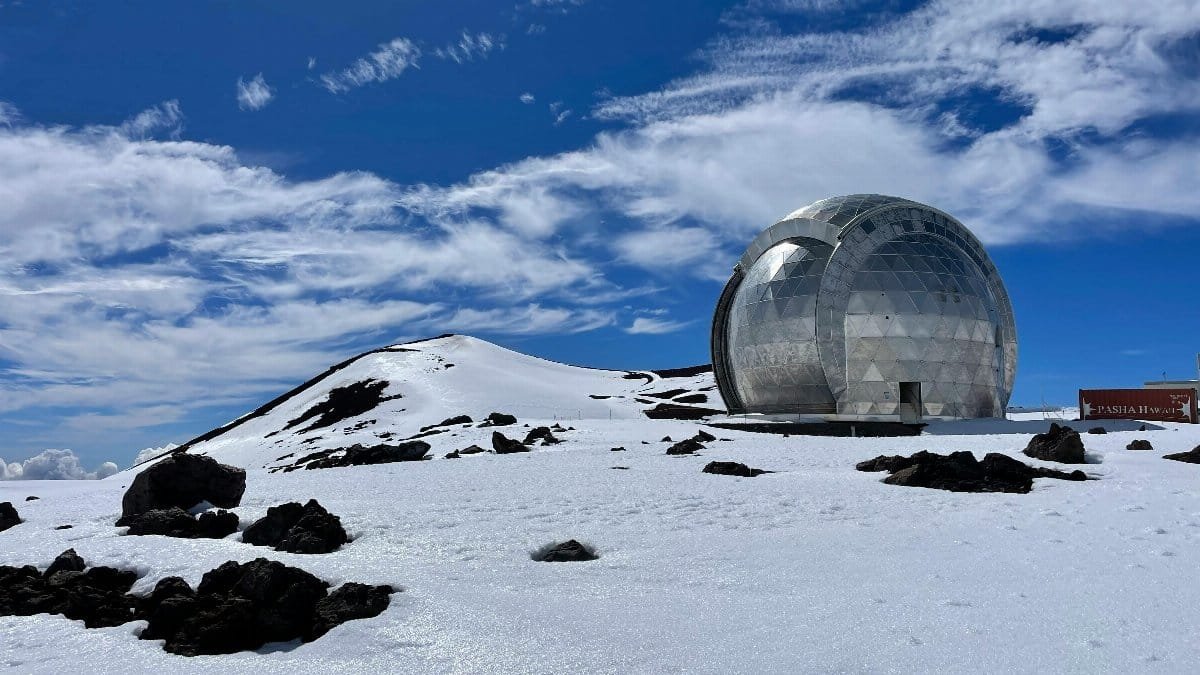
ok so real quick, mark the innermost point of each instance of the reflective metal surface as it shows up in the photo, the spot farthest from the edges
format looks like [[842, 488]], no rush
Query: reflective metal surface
[[835, 306]]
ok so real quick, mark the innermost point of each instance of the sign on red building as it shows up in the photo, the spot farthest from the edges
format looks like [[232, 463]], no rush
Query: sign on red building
[[1164, 405]]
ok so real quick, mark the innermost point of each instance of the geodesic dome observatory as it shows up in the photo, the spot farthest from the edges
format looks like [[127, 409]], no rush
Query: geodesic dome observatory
[[865, 307]]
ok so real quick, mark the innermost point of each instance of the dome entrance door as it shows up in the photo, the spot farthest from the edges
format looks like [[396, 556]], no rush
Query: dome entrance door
[[910, 402]]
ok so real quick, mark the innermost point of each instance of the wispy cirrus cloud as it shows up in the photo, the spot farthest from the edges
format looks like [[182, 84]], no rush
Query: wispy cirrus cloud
[[648, 325], [470, 46], [387, 62], [254, 94]]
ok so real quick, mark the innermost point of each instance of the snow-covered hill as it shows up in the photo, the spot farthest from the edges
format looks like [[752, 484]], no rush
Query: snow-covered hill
[[397, 392], [814, 568]]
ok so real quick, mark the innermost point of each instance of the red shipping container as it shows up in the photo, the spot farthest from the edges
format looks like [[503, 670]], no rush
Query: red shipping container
[[1164, 405]]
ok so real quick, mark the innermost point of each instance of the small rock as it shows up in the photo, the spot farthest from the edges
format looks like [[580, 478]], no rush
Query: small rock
[[616, 449], [543, 434], [1097, 430], [623, 468], [1191, 457], [1142, 428], [503, 445], [1139, 444], [1059, 444], [471, 450], [704, 437], [498, 420], [8, 516], [298, 529], [67, 561], [452, 455], [64, 527], [31, 498], [732, 469], [567, 551], [175, 522], [685, 447], [348, 602], [449, 421], [667, 439]]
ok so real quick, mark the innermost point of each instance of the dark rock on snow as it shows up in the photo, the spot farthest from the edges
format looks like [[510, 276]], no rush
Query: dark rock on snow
[[96, 596], [567, 551], [1139, 444], [1059, 444], [685, 447], [31, 498], [175, 522], [704, 437], [667, 439], [184, 480], [471, 450], [1191, 456], [64, 527], [236, 607], [961, 472], [67, 561], [450, 421], [1097, 430], [360, 455], [8, 516], [732, 469], [452, 455], [504, 445], [348, 602], [297, 529], [240, 607], [616, 449], [498, 420], [541, 434]]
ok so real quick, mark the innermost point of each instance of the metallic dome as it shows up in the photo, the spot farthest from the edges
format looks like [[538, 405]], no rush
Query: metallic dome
[[865, 307]]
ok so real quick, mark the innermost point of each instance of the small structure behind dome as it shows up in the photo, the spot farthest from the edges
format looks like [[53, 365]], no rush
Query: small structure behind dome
[[865, 307]]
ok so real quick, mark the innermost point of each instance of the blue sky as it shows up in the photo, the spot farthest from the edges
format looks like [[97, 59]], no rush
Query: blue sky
[[202, 204]]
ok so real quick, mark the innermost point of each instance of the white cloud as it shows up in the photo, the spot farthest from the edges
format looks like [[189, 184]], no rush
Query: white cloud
[[469, 47], [9, 115], [147, 454], [560, 112], [387, 62], [527, 98], [644, 325], [312, 62], [255, 94], [54, 465]]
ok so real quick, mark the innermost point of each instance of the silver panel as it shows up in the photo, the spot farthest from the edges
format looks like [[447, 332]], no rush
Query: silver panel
[[832, 318]]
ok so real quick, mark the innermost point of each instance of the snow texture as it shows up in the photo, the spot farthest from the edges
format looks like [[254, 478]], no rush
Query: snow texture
[[815, 568]]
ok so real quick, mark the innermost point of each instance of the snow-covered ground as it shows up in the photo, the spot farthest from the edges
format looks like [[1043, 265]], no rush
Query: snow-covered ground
[[815, 568]]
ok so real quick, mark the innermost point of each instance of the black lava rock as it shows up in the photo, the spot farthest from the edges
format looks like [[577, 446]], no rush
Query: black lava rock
[[567, 551], [1097, 430], [732, 469], [1191, 456], [384, 453], [685, 447], [540, 434], [8, 516], [31, 498], [1139, 444], [1059, 444], [67, 561], [450, 421], [297, 529], [667, 439], [240, 607], [503, 445], [961, 472], [184, 480], [175, 522], [471, 450], [704, 437], [96, 596], [348, 602], [498, 420], [617, 449]]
